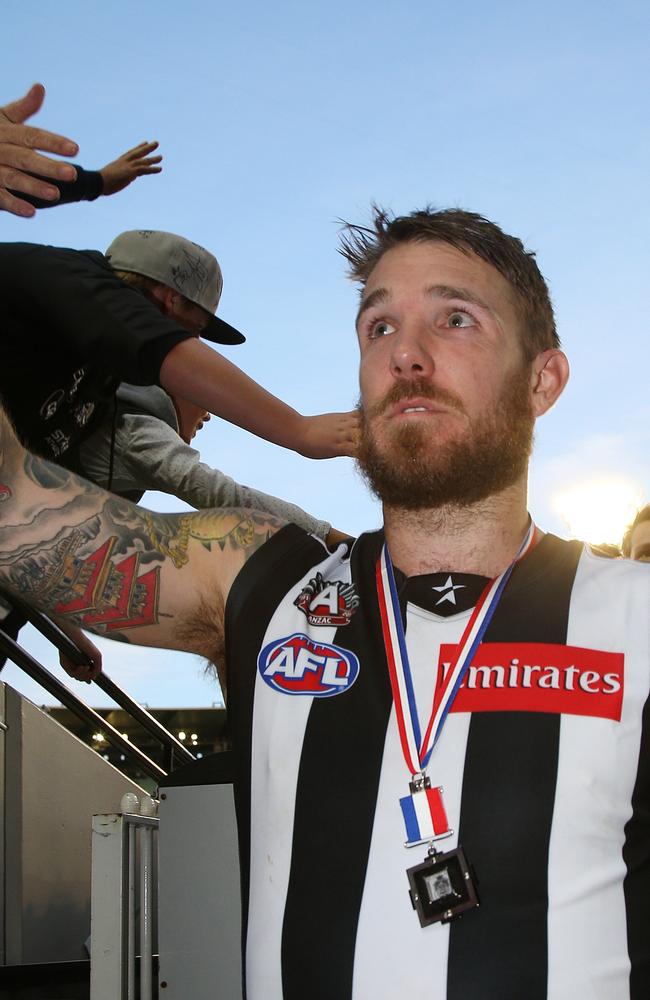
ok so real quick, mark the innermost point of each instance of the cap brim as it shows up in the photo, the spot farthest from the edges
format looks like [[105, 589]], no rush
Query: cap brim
[[220, 332]]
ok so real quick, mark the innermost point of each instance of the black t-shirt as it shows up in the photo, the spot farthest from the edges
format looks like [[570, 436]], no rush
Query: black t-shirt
[[72, 330]]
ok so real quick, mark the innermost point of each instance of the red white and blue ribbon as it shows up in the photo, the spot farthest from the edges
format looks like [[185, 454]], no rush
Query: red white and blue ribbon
[[424, 815], [417, 750]]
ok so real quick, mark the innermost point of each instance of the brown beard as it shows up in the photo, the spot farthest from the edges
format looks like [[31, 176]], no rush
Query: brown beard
[[412, 473]]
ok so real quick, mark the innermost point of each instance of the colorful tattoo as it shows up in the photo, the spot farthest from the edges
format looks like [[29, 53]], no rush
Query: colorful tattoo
[[200, 526], [78, 552]]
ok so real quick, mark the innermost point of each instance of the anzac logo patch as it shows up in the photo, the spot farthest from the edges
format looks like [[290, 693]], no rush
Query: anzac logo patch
[[297, 665], [327, 602]]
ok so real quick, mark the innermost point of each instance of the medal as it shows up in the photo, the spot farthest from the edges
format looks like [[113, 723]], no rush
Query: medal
[[441, 887]]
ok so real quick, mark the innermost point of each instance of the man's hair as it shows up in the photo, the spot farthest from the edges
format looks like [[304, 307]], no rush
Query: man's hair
[[470, 233], [641, 515], [138, 281]]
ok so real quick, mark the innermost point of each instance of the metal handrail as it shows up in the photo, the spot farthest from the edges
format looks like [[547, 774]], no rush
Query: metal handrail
[[66, 645], [83, 711]]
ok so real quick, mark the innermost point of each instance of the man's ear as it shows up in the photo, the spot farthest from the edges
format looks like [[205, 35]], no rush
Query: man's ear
[[165, 297], [549, 375]]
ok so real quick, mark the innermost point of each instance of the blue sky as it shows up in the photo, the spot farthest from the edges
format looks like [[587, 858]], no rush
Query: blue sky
[[275, 121]]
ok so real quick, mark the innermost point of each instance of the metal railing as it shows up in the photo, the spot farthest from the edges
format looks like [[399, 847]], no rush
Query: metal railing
[[176, 751]]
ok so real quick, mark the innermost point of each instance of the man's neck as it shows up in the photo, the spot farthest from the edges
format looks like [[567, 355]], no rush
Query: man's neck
[[481, 538]]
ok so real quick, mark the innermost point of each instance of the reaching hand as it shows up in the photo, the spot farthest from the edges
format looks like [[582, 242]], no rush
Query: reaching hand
[[81, 672], [18, 143], [330, 435], [335, 537], [134, 163]]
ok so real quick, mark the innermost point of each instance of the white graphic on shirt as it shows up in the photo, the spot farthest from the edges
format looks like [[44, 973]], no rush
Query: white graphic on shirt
[[450, 587]]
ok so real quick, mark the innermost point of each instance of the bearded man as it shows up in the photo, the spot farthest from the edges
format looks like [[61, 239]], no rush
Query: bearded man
[[441, 780]]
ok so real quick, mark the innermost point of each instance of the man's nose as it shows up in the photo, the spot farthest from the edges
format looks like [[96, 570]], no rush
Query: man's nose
[[411, 353]]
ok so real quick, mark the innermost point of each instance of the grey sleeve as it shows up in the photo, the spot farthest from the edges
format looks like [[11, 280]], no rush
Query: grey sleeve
[[160, 460]]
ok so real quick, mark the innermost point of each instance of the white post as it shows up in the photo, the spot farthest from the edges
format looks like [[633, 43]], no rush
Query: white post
[[107, 908], [147, 808], [130, 958], [146, 927], [113, 901]]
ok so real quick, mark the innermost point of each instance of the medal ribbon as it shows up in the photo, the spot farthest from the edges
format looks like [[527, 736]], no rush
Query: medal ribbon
[[417, 751]]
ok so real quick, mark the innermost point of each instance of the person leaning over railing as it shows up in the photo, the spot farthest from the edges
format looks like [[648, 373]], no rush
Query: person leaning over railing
[[134, 314], [146, 446], [77, 322]]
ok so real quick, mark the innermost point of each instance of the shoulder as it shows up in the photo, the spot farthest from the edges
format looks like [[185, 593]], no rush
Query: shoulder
[[51, 263], [615, 580]]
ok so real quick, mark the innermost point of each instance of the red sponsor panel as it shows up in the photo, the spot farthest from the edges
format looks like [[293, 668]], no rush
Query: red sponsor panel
[[539, 677]]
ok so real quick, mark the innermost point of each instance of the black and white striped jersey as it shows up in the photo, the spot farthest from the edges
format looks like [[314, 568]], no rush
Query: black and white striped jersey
[[544, 761]]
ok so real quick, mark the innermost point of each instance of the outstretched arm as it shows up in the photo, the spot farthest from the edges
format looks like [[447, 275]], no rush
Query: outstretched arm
[[90, 184], [196, 372], [19, 159], [104, 564]]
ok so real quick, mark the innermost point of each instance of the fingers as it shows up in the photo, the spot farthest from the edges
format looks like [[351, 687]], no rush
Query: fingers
[[13, 181], [13, 131], [126, 168], [335, 537], [142, 149], [142, 170], [140, 159], [35, 138], [350, 432], [16, 165], [16, 206], [140, 154], [18, 143], [25, 107], [14, 156], [80, 671]]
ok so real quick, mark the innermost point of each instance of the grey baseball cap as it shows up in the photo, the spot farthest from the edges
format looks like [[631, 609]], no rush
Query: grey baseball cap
[[180, 264]]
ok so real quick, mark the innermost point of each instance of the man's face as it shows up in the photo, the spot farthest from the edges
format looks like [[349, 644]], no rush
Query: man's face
[[640, 542], [188, 315], [191, 418], [445, 390]]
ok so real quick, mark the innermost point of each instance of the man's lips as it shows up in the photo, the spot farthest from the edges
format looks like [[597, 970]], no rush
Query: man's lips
[[417, 406]]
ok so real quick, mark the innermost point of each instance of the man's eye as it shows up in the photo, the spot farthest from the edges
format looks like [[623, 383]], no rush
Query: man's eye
[[460, 319], [381, 329]]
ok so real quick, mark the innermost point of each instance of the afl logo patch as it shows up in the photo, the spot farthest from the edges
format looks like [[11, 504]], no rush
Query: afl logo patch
[[299, 665]]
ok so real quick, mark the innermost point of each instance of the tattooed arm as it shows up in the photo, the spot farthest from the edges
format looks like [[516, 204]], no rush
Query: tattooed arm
[[104, 564]]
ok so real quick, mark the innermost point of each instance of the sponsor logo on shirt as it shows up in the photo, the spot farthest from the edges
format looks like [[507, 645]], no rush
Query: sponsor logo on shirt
[[327, 602], [539, 677], [299, 665], [52, 403]]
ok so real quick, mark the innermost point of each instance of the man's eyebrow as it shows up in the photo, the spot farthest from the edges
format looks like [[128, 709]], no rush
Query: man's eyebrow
[[452, 292], [433, 291], [379, 295], [643, 551]]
